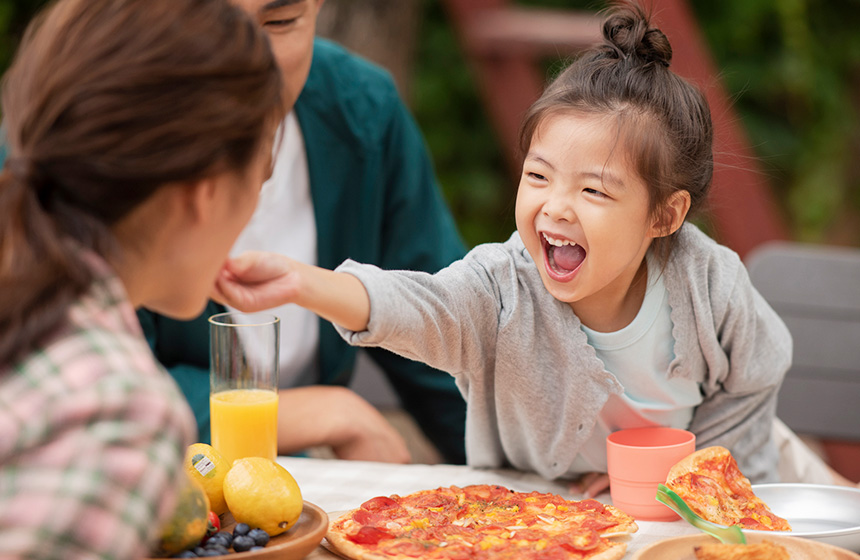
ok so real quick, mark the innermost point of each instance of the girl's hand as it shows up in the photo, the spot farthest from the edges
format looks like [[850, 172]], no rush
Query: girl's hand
[[591, 484], [256, 280]]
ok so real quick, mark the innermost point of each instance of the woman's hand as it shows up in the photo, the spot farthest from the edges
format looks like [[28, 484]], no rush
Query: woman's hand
[[256, 280], [590, 484], [339, 418]]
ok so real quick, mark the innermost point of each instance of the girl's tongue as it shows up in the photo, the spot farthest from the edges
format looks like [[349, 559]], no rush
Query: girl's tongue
[[565, 259]]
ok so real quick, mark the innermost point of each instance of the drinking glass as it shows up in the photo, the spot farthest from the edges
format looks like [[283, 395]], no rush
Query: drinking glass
[[243, 384]]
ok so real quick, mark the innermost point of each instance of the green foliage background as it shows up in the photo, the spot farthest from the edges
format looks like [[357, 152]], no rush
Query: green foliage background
[[792, 67]]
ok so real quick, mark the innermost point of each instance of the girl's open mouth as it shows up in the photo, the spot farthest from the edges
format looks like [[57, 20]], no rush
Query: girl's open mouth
[[562, 257]]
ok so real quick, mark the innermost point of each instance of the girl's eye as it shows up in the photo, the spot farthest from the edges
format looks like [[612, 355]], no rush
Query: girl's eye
[[594, 192], [280, 23], [537, 176]]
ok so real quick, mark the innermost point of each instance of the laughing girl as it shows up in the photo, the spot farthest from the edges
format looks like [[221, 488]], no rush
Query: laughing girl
[[606, 309]]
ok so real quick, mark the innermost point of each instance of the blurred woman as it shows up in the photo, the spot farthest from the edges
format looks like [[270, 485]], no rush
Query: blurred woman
[[139, 134]]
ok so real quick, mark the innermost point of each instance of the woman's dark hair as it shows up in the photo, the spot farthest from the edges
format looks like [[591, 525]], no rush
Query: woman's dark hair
[[664, 123], [106, 102]]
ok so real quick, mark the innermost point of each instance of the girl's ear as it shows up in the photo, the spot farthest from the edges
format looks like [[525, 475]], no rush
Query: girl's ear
[[673, 214]]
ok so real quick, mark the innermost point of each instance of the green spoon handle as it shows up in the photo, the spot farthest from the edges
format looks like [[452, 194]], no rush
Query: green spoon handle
[[725, 534]]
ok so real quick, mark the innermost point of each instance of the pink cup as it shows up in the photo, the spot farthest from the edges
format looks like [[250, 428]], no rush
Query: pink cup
[[638, 460]]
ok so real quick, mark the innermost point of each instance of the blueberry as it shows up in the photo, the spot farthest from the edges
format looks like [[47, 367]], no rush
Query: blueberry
[[199, 551], [243, 543], [225, 536], [219, 541], [241, 529], [219, 548], [261, 538], [253, 548], [185, 554]]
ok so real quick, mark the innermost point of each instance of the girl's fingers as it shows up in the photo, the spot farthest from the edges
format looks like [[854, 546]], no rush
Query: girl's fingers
[[590, 484], [256, 266], [596, 485]]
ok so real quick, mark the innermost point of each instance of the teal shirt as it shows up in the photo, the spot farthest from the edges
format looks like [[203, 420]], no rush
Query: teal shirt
[[376, 200]]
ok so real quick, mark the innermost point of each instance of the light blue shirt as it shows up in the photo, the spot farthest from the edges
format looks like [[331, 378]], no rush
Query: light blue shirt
[[639, 356]]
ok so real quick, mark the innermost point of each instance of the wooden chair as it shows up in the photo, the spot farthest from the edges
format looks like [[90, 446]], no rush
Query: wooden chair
[[816, 291]]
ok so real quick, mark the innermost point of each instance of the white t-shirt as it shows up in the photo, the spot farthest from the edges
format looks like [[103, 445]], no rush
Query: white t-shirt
[[639, 356], [284, 223]]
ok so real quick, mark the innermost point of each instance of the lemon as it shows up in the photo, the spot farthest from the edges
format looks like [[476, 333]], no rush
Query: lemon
[[263, 494], [205, 465]]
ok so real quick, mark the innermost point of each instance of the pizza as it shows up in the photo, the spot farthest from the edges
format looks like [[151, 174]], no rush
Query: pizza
[[480, 521], [711, 483], [765, 550]]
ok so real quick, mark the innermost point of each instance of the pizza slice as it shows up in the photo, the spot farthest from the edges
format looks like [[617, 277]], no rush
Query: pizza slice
[[711, 483]]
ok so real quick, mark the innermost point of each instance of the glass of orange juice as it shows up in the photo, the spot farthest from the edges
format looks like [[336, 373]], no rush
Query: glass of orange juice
[[243, 384]]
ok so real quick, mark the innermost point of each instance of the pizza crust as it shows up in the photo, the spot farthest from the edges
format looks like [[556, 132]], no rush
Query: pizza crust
[[691, 462], [627, 527], [346, 547], [343, 546]]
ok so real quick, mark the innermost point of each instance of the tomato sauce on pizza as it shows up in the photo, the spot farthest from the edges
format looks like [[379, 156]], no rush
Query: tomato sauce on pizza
[[711, 483], [481, 521]]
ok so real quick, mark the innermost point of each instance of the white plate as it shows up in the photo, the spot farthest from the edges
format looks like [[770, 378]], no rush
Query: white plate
[[828, 514]]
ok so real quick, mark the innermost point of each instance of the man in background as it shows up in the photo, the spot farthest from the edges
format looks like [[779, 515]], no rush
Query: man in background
[[352, 179]]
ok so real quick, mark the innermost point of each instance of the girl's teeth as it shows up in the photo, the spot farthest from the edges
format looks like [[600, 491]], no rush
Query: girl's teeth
[[557, 242]]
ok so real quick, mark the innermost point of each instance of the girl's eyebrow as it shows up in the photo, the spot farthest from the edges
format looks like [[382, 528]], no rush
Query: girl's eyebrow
[[606, 177], [535, 157]]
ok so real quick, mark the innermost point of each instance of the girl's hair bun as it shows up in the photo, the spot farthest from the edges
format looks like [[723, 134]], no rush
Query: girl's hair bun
[[628, 34]]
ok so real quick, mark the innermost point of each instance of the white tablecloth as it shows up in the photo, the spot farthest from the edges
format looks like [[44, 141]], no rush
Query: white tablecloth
[[336, 486]]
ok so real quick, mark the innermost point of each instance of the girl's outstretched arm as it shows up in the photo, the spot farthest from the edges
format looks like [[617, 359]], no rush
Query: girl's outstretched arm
[[257, 280]]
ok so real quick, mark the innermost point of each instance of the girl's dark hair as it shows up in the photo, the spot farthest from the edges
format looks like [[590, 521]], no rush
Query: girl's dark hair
[[107, 101], [664, 123]]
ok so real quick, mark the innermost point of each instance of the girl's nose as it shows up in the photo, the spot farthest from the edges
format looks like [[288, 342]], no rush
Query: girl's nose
[[559, 207]]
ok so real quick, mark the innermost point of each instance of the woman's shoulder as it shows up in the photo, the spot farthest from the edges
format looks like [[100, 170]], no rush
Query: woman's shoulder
[[89, 373], [100, 343]]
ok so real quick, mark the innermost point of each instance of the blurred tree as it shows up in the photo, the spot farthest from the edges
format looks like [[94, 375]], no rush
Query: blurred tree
[[14, 16], [469, 162], [383, 31], [793, 67]]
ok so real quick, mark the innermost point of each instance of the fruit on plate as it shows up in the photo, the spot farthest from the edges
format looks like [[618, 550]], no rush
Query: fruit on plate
[[213, 527], [263, 494], [188, 524], [204, 464]]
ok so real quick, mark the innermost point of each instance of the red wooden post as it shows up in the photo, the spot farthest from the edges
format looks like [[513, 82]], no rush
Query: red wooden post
[[742, 204]]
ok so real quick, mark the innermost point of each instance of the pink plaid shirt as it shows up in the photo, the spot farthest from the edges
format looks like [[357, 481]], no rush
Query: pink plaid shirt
[[92, 437]]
